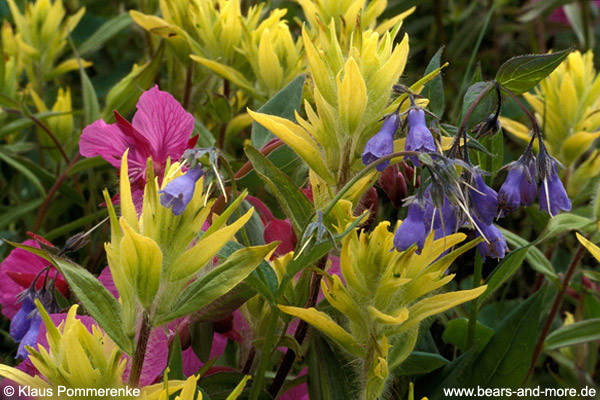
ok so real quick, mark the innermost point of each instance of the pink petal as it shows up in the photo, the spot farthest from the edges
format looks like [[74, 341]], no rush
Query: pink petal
[[19, 261], [299, 392], [165, 123], [106, 279], [282, 231]]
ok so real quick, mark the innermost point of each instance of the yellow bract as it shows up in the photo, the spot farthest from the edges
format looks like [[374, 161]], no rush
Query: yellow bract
[[567, 106], [385, 296], [74, 357], [42, 35], [351, 90]]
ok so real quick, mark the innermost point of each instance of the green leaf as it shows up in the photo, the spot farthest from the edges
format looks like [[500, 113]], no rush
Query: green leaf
[[201, 334], [217, 282], [97, 300], [326, 377], [282, 104], [107, 31], [521, 73], [536, 259], [575, 333], [125, 94], [26, 122], [433, 384], [456, 332], [24, 171], [505, 269], [15, 213], [175, 363], [484, 108], [434, 89], [263, 279], [564, 223], [295, 203], [225, 305], [419, 362], [283, 158], [492, 160], [504, 362]]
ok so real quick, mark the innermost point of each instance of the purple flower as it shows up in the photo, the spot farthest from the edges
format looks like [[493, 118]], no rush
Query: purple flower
[[519, 188], [496, 244], [443, 220], [484, 200], [179, 192], [412, 230], [553, 197], [382, 144], [419, 137], [25, 325]]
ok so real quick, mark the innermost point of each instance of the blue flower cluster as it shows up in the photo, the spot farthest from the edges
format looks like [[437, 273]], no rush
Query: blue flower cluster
[[475, 203]]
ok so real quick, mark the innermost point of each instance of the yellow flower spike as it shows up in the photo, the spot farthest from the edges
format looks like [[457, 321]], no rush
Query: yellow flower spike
[[141, 261], [268, 63], [337, 295], [327, 325], [75, 358]]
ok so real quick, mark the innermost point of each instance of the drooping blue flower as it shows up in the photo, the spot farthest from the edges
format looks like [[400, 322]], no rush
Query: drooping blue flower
[[553, 197], [520, 188], [443, 220], [25, 325], [419, 137], [382, 144], [484, 200], [21, 322], [30, 338], [412, 230], [495, 246], [180, 191]]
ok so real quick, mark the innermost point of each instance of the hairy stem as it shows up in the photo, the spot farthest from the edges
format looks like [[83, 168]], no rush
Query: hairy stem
[[140, 351], [265, 357]]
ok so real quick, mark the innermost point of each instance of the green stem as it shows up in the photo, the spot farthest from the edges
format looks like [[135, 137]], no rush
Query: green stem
[[265, 357], [474, 310], [140, 351], [476, 49]]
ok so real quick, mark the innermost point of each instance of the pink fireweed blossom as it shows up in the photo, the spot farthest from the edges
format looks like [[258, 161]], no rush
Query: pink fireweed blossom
[[161, 129]]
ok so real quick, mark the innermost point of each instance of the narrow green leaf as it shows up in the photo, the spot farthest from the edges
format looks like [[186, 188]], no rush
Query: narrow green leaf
[[104, 33], [420, 363], [456, 332], [15, 213], [97, 300], [295, 203], [26, 122], [433, 384], [505, 269], [536, 259], [521, 73], [484, 108], [24, 171], [575, 333], [282, 104], [434, 89], [201, 334], [225, 305], [175, 363], [505, 360], [283, 158], [564, 223], [217, 282], [326, 377]]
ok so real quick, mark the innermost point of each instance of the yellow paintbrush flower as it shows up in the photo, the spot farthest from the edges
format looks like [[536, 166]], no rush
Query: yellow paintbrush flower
[[42, 37], [385, 297], [155, 255], [567, 106], [348, 14]]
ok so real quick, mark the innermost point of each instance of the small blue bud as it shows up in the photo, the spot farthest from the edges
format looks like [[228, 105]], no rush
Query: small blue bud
[[496, 244], [412, 230], [419, 137], [484, 201], [180, 191], [553, 197]]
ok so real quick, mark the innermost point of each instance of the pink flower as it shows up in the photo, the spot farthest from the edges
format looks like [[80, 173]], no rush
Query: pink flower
[[161, 129], [17, 272]]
